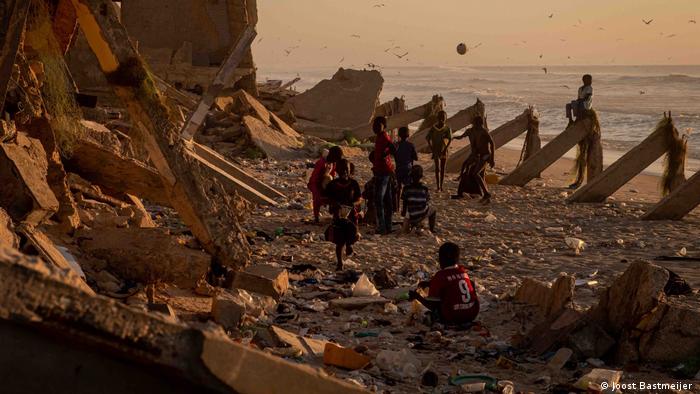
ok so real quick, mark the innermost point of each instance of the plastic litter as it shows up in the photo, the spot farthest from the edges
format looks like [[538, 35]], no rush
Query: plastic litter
[[364, 288]]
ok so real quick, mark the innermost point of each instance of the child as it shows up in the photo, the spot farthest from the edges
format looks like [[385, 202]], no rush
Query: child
[[474, 168], [416, 202], [584, 102], [323, 170], [344, 191], [405, 156], [383, 170], [451, 298], [439, 139]]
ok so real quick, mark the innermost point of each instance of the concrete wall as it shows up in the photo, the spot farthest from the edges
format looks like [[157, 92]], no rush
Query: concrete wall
[[170, 23]]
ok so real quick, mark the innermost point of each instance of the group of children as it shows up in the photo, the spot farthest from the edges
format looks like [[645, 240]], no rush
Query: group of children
[[452, 297]]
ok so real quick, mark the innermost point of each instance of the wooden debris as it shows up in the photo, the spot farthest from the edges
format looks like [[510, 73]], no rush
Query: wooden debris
[[263, 279]]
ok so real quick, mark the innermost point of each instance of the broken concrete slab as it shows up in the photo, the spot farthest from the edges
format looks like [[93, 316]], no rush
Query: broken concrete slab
[[623, 170], [25, 194], [551, 300], [501, 136], [630, 297], [456, 122], [42, 324], [228, 309], [679, 203], [51, 254], [397, 120], [671, 334], [304, 345], [263, 279], [550, 153], [274, 144], [145, 255], [353, 303], [8, 238], [105, 165], [346, 100]]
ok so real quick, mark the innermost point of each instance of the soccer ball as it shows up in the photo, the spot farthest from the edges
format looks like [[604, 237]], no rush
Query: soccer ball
[[462, 49]]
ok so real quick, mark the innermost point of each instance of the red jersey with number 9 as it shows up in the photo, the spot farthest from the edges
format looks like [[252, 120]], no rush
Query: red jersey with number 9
[[458, 300]]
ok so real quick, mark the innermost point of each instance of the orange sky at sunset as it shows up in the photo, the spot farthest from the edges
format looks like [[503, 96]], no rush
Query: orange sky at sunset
[[320, 32]]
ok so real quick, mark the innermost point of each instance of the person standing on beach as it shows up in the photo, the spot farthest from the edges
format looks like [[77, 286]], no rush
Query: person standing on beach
[[584, 102], [383, 169], [474, 168], [439, 139], [405, 156], [324, 170], [344, 196]]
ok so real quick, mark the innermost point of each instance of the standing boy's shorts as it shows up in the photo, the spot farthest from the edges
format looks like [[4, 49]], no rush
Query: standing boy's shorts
[[403, 176]]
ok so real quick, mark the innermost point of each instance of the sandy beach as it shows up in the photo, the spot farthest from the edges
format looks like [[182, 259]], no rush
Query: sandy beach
[[525, 240]]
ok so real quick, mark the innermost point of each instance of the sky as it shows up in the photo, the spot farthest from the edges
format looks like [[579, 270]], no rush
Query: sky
[[354, 33]]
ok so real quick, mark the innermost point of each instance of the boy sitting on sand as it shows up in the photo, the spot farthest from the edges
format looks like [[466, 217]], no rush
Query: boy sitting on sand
[[416, 203], [451, 299], [584, 102], [405, 156]]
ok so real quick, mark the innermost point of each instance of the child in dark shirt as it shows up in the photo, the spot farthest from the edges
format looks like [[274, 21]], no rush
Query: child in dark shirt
[[451, 298], [405, 156], [344, 195]]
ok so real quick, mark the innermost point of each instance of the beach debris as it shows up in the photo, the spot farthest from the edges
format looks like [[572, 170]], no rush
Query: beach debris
[[576, 244], [342, 357], [8, 238], [429, 379], [549, 299], [384, 279], [262, 279], [364, 288], [599, 380], [401, 363], [490, 218], [26, 195], [354, 303], [560, 358]]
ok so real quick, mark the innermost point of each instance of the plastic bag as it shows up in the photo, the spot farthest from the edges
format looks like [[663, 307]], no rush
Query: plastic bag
[[364, 288]]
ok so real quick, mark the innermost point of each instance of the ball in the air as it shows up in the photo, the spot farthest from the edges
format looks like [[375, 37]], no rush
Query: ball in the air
[[462, 49]]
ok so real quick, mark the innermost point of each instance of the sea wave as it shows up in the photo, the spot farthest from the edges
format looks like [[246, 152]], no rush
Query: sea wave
[[670, 78]]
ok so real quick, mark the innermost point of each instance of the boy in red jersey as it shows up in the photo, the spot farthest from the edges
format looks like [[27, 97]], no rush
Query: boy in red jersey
[[451, 298]]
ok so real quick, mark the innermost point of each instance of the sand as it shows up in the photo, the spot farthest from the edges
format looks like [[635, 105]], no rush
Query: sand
[[527, 239]]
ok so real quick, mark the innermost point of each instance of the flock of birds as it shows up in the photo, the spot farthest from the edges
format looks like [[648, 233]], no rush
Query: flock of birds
[[464, 49]]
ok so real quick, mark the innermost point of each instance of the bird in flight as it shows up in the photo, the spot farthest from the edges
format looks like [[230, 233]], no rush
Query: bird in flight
[[670, 36], [541, 56], [401, 56], [692, 21], [565, 86], [551, 16], [355, 35], [647, 22], [379, 5], [642, 92], [544, 69]]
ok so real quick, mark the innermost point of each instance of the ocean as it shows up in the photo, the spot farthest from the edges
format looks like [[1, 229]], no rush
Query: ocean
[[630, 100]]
